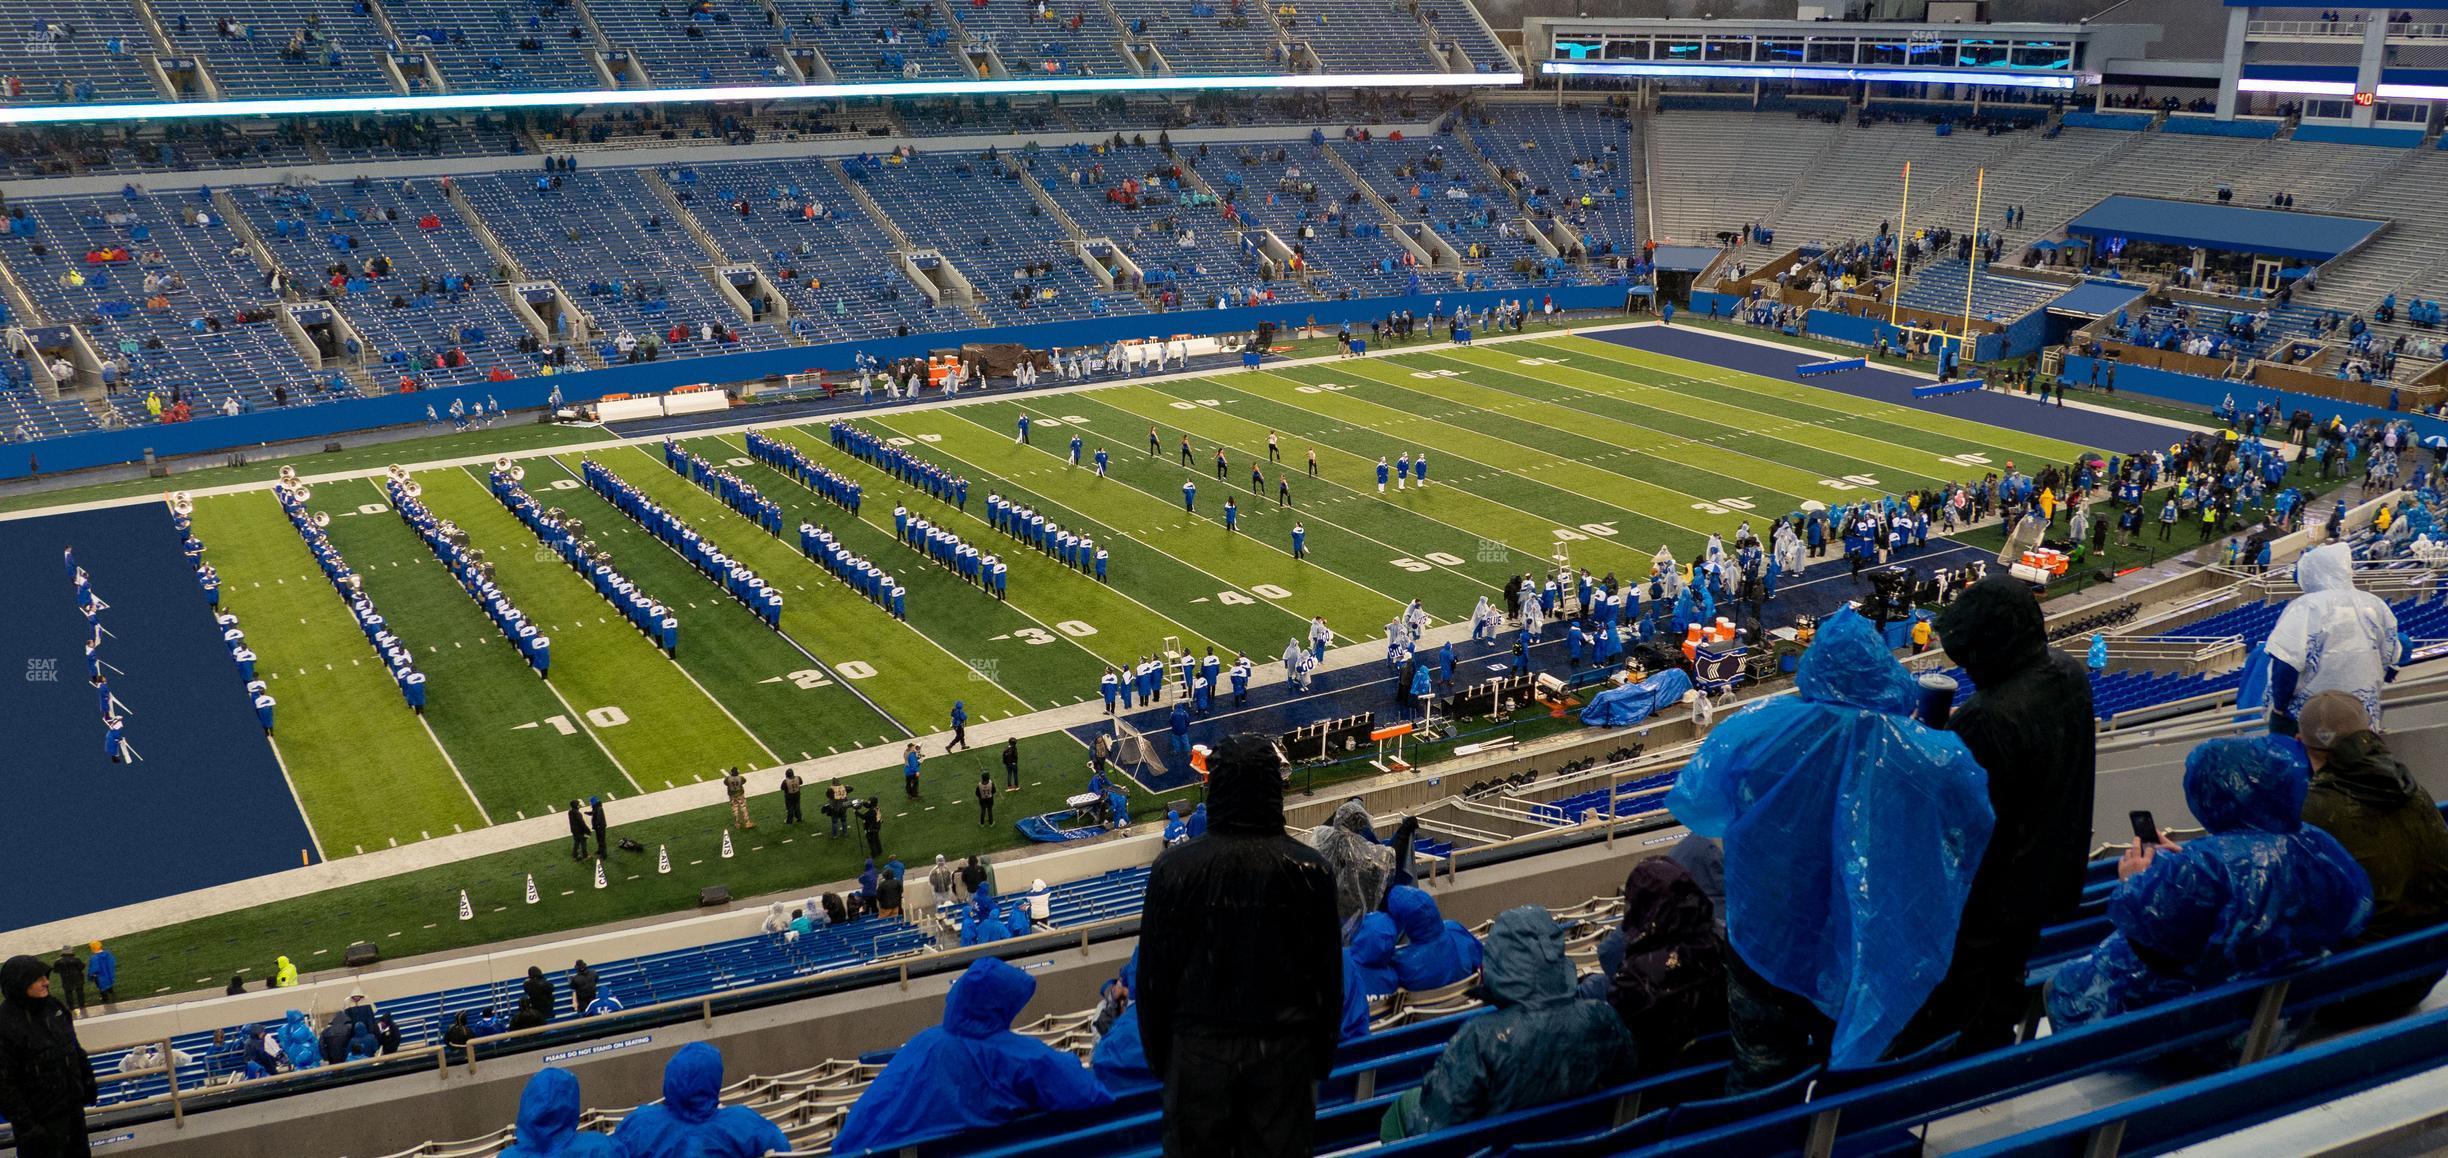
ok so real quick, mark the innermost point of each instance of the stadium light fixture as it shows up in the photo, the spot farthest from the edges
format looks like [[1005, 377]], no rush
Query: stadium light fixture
[[1048, 85], [2344, 88], [2058, 81]]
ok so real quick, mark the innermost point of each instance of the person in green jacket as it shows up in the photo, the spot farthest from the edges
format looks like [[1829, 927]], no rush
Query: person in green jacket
[[2362, 795], [1542, 1043]]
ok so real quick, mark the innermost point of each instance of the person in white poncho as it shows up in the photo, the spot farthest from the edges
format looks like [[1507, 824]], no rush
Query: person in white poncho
[[2331, 638]]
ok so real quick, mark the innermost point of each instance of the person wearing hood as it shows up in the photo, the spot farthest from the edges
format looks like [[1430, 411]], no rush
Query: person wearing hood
[[595, 823], [943, 880], [970, 1073], [1540, 1043], [2331, 638], [46, 1081], [284, 974], [455, 1038], [1851, 832], [537, 992], [299, 1046], [1669, 986], [2096, 662], [102, 971], [548, 1122], [1435, 952], [582, 986], [1371, 954], [259, 1062], [691, 1118], [2028, 722], [362, 1043], [1349, 843], [386, 1034], [1240, 969], [1704, 859], [2261, 892], [334, 1040]]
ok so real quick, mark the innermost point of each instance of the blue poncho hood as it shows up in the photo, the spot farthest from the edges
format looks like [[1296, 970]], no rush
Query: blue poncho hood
[[1119, 1060], [2261, 892], [1851, 835], [1372, 954], [1435, 951], [692, 1083], [548, 1120], [970, 1073]]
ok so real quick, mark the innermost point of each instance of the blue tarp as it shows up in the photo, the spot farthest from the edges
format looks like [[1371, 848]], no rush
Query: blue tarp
[[2225, 228], [1630, 705]]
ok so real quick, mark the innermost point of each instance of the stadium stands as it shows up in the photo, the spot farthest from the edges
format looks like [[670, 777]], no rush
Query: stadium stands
[[483, 47], [964, 208], [76, 53], [279, 48], [704, 42]]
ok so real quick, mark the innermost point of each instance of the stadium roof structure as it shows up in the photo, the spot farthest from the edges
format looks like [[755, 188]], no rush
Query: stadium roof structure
[[1035, 85], [2224, 228]]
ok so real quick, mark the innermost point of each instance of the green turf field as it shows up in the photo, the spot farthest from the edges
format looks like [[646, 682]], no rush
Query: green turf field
[[1554, 445]]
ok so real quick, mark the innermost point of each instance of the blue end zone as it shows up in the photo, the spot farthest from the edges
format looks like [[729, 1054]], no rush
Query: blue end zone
[[1807, 369], [206, 806], [1942, 389], [2112, 433]]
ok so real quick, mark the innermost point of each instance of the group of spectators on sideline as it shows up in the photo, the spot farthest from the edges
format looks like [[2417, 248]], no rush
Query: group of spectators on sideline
[[1948, 847]]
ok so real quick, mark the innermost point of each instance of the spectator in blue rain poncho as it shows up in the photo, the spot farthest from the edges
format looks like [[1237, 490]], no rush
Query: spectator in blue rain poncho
[[1371, 952], [971, 1072], [2261, 892], [1435, 951], [548, 1122], [300, 1046], [691, 1119], [1851, 834]]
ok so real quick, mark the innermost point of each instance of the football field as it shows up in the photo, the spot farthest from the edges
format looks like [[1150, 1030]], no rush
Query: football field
[[1572, 446]]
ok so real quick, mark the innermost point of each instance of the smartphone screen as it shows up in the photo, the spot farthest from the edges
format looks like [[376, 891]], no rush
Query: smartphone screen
[[2145, 829]]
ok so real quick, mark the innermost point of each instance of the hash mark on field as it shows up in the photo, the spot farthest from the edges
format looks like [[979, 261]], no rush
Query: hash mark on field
[[694, 862]]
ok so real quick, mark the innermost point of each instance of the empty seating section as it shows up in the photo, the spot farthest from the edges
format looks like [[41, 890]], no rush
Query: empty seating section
[[1061, 37], [696, 42], [1858, 183], [1202, 38], [611, 243], [1939, 287], [878, 42], [1435, 179], [269, 48], [976, 213], [408, 315], [1465, 29], [1214, 266], [486, 46], [1697, 157], [75, 51], [1567, 154], [1362, 36], [1295, 191], [26, 415], [835, 269], [2408, 259]]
